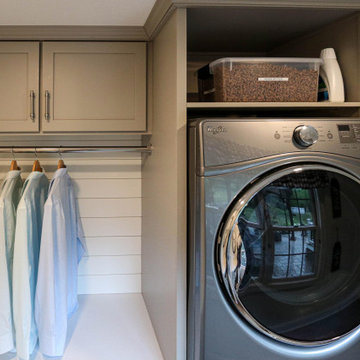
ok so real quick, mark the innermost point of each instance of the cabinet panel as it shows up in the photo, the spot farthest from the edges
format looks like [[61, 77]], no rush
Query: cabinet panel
[[19, 86], [94, 86]]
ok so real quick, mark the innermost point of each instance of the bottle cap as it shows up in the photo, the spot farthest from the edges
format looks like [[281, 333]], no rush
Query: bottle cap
[[328, 53]]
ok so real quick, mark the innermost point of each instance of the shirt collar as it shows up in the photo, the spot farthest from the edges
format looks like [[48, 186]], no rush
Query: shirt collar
[[12, 174], [60, 172], [35, 174]]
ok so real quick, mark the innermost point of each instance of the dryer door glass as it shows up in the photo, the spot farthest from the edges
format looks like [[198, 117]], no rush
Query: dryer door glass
[[288, 254]]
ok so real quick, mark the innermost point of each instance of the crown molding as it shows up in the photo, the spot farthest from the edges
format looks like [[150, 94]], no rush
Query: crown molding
[[325, 4], [158, 16], [101, 33]]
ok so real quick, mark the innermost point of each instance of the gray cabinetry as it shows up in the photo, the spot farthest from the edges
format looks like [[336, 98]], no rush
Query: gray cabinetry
[[89, 86], [85, 87], [19, 86]]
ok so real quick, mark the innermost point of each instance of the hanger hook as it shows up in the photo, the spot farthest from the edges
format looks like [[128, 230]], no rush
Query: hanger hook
[[12, 152], [37, 158], [60, 154]]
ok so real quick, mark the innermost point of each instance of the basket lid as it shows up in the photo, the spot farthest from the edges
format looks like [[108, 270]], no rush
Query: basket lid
[[269, 60]]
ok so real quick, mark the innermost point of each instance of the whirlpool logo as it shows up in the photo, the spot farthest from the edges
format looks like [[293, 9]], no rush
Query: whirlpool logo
[[216, 130]]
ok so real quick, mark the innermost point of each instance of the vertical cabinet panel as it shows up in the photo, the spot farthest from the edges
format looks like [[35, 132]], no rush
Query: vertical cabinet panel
[[93, 86], [19, 86]]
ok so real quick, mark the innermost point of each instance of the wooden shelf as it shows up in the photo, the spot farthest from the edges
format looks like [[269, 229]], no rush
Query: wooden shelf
[[247, 105]]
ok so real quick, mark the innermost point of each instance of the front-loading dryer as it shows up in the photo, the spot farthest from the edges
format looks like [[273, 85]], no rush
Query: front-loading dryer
[[274, 239]]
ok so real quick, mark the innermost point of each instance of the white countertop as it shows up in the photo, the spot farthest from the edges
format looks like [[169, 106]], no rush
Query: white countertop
[[109, 327]]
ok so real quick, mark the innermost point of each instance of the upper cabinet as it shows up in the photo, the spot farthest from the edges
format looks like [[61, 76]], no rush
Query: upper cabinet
[[93, 86], [19, 87], [84, 87]]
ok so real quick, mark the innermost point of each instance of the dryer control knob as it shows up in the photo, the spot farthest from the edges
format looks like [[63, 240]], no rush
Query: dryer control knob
[[305, 135]]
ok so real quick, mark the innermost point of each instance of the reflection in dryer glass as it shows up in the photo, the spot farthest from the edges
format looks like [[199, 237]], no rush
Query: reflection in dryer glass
[[290, 262], [293, 222]]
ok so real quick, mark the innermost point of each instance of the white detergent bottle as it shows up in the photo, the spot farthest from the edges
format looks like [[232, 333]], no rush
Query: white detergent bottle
[[331, 74]]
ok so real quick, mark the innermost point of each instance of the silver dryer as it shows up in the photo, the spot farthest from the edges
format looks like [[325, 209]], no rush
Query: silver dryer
[[274, 239]]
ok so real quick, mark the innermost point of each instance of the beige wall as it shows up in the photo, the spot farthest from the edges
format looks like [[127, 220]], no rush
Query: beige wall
[[343, 36]]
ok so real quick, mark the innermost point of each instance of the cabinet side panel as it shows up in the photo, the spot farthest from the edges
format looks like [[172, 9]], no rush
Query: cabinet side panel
[[164, 192]]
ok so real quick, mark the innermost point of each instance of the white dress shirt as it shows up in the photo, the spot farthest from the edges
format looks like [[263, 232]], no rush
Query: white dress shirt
[[62, 247], [26, 257], [9, 200]]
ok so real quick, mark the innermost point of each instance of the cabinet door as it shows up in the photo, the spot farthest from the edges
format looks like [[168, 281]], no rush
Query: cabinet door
[[94, 86], [19, 86]]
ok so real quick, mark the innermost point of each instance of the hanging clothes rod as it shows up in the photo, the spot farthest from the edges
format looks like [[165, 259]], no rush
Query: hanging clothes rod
[[73, 149]]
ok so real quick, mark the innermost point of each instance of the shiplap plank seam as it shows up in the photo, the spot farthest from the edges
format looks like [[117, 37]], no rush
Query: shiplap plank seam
[[110, 217], [105, 275], [94, 256], [110, 236]]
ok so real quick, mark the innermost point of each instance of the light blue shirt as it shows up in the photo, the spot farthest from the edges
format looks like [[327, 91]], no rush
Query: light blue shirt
[[9, 199], [62, 247], [26, 257]]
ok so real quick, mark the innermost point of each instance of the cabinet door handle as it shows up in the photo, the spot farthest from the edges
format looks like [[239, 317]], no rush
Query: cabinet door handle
[[47, 105], [32, 105]]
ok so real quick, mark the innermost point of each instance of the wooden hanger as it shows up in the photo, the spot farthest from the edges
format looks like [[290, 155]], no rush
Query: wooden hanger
[[61, 164], [37, 166], [14, 165]]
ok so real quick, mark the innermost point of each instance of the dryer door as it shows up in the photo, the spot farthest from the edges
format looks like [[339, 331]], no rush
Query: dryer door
[[288, 254]]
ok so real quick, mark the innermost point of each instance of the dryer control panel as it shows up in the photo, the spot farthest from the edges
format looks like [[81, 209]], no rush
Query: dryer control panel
[[349, 133], [309, 133], [227, 141]]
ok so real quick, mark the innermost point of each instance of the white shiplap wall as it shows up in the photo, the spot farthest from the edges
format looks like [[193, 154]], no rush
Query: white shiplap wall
[[108, 189]]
